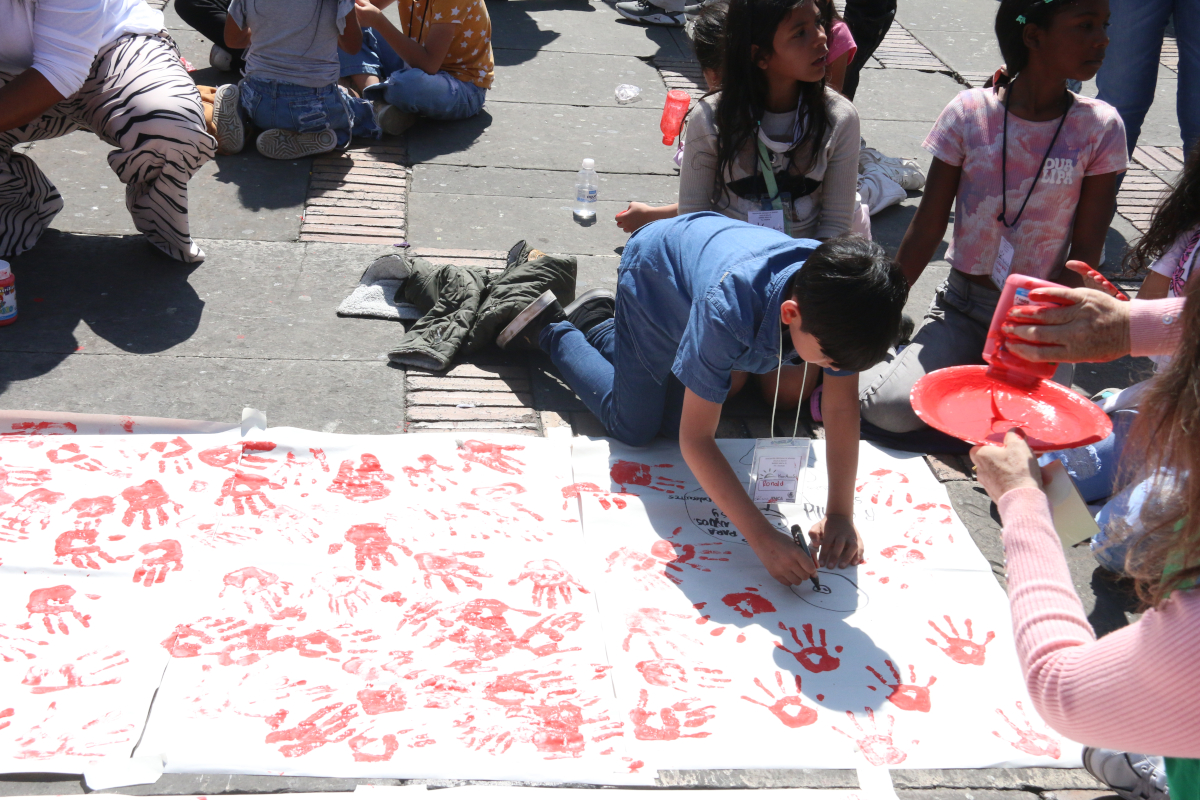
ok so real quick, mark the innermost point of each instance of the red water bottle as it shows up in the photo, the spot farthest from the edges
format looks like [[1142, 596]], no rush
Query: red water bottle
[[8, 295], [674, 111]]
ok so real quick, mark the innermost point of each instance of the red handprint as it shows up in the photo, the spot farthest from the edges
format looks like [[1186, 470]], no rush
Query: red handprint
[[630, 473], [677, 556], [550, 582], [813, 657], [646, 569], [962, 650], [515, 688], [53, 602], [71, 454], [890, 485], [154, 569], [382, 701], [665, 672], [905, 696], [895, 553], [93, 507], [88, 740], [878, 748], [343, 593], [40, 429], [245, 490], [929, 514], [577, 490], [32, 507], [426, 472], [509, 489], [492, 456], [671, 726], [5, 717], [495, 740], [544, 637], [262, 590], [789, 709], [483, 630], [654, 624], [371, 543], [223, 457], [85, 671], [748, 603], [147, 497], [1029, 741], [79, 545], [358, 745], [174, 453], [448, 568], [361, 484], [10, 650], [327, 725]]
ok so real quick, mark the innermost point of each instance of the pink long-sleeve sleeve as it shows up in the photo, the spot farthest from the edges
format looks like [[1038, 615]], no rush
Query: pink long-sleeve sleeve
[[1136, 689], [1155, 328]]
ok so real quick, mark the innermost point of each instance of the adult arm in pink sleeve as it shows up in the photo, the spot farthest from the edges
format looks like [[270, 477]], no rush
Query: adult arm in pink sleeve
[[1136, 689], [1155, 328]]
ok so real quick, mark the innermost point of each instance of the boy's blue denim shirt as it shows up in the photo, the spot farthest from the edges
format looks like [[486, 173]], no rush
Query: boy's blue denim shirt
[[700, 297]]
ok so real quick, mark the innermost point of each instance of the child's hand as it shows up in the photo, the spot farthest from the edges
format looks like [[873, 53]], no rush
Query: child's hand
[[368, 15], [1004, 468], [836, 543], [1094, 280], [786, 562], [634, 217]]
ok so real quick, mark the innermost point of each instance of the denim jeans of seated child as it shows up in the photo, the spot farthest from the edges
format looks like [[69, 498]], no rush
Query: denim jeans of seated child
[[274, 104]]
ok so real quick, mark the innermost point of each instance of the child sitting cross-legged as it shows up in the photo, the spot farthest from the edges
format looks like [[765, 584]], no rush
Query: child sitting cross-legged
[[291, 89]]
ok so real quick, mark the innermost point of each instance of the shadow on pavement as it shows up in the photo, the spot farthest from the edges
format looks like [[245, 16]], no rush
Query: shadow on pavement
[[264, 183], [513, 25], [433, 138]]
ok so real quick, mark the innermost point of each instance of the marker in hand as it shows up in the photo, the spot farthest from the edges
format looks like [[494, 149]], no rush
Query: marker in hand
[[798, 538]]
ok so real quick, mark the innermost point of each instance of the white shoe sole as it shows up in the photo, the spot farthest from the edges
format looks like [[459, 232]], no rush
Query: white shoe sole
[[589, 295], [663, 19], [282, 145], [231, 133], [527, 315]]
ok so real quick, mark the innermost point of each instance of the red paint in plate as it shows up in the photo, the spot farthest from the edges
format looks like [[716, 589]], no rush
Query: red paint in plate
[[969, 404]]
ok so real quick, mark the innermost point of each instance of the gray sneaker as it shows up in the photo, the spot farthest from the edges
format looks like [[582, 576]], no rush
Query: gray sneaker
[[392, 120], [280, 144], [227, 119], [1130, 775], [650, 14]]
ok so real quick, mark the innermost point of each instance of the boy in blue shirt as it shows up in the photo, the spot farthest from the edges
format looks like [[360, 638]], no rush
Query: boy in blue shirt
[[701, 298]]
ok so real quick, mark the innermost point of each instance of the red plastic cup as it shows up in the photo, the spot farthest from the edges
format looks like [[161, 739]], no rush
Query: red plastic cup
[[675, 109], [1003, 363]]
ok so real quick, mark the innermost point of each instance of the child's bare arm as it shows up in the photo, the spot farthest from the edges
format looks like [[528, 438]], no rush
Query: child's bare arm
[[235, 37], [835, 72], [786, 562], [837, 540], [350, 39], [928, 225], [427, 56], [639, 214], [1097, 198], [1154, 287]]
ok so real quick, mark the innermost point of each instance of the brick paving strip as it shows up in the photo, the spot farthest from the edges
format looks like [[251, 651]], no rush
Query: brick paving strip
[[1143, 187], [1169, 57], [358, 196]]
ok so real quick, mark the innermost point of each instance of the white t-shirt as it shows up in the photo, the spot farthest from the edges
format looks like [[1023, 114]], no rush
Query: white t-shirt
[[61, 38], [1177, 264]]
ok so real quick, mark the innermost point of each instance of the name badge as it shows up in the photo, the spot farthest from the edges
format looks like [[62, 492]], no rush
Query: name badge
[[767, 219], [777, 471], [1003, 264]]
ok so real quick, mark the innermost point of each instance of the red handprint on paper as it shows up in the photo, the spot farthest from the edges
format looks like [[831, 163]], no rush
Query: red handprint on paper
[[72, 454], [88, 740], [492, 456], [223, 457], [647, 570], [677, 556], [878, 748], [344, 594], [449, 569], [52, 603], [262, 590], [173, 453], [665, 672], [154, 569], [550, 582], [656, 625], [670, 727], [439, 691], [509, 489], [363, 483], [961, 649], [145, 498], [496, 741], [789, 708], [6, 715], [1029, 740], [905, 696], [87, 670], [481, 629], [577, 490], [14, 647], [93, 507], [382, 701], [32, 508], [425, 473], [922, 530], [371, 543], [515, 688], [902, 554], [358, 746], [630, 473], [812, 656], [40, 429], [890, 486], [79, 546], [246, 493], [544, 636], [328, 725], [748, 603]]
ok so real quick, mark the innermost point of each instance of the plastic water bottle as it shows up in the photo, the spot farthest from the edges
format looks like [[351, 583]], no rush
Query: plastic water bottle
[[8, 295], [587, 188]]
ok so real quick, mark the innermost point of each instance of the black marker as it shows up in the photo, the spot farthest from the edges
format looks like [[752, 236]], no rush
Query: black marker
[[798, 538]]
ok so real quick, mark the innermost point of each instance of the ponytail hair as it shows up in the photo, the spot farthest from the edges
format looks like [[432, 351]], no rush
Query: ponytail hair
[[1011, 20], [706, 32]]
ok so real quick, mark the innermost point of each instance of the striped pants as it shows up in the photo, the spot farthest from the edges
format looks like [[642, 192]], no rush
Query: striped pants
[[139, 99]]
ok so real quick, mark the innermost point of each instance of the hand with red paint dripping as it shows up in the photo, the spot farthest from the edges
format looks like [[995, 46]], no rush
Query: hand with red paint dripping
[[1081, 325], [154, 569], [1004, 468]]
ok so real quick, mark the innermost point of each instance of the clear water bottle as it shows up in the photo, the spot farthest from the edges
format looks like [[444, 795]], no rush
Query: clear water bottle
[[587, 188]]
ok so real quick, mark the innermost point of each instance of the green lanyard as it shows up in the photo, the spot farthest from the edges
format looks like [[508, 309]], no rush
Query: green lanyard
[[764, 160]]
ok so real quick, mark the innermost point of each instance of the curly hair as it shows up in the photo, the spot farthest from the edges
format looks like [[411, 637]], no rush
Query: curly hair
[[1178, 213]]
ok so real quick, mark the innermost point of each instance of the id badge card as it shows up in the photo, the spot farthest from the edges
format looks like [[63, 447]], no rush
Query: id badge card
[[766, 219], [1003, 264], [777, 470]]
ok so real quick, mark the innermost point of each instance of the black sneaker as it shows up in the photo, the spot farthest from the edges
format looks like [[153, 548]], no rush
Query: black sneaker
[[522, 333], [649, 14], [907, 327], [591, 308]]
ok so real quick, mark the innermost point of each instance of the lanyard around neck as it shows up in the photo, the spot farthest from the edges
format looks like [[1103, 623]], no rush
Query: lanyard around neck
[[1003, 218], [778, 376], [424, 13], [768, 173]]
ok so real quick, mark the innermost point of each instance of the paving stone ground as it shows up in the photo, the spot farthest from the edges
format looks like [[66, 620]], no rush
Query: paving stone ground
[[109, 326]]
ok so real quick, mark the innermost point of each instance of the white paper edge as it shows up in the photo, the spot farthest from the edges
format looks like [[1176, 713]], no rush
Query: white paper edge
[[112, 773]]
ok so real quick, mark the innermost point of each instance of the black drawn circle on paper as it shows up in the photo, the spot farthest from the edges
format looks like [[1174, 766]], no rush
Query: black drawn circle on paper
[[838, 593], [710, 519]]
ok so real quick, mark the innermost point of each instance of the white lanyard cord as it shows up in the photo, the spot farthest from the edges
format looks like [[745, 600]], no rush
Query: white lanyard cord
[[778, 376]]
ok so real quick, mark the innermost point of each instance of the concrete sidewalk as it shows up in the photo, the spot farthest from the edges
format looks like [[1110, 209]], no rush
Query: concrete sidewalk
[[109, 326]]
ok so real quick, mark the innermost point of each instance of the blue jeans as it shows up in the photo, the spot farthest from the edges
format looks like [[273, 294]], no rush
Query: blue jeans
[[274, 104], [439, 96], [604, 369], [1130, 70]]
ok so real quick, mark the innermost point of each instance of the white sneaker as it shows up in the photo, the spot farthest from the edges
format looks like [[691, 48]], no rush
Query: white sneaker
[[904, 171], [220, 59], [392, 120], [1130, 775], [280, 144], [227, 119], [650, 14]]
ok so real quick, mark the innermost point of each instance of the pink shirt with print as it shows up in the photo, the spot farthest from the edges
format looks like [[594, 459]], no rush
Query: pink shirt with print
[[969, 134]]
